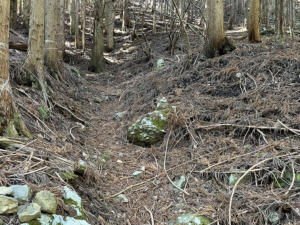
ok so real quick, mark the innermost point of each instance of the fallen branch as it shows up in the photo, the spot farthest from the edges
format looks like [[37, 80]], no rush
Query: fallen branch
[[152, 220]]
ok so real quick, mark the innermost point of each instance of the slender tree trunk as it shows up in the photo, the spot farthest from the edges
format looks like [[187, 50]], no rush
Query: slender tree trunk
[[253, 27], [50, 51], [77, 42], [67, 6], [97, 60], [20, 7], [72, 17], [83, 19], [280, 18], [293, 12], [110, 25], [61, 32], [154, 17], [13, 14], [215, 34], [126, 21], [26, 11]]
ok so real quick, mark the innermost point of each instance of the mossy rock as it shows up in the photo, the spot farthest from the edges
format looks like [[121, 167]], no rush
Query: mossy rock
[[67, 176], [149, 130], [72, 199], [286, 180], [234, 177], [190, 219], [53, 219]]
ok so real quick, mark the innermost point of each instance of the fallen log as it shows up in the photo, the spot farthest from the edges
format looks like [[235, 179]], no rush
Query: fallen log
[[18, 46]]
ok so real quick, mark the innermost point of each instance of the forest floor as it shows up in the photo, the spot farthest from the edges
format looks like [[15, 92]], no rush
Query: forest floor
[[234, 113]]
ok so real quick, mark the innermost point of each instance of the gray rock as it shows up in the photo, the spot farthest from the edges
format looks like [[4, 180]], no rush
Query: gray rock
[[8, 205], [47, 201], [149, 130], [71, 198], [56, 220], [22, 193], [105, 97], [119, 116], [162, 104], [190, 219], [137, 174], [80, 167], [178, 183], [6, 191], [121, 198], [30, 212], [274, 217], [160, 63], [234, 177]]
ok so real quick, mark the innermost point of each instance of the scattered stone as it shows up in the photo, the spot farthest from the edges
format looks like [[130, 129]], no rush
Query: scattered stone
[[22, 193], [233, 178], [105, 97], [119, 116], [86, 156], [160, 63], [71, 198], [149, 130], [47, 201], [137, 174], [178, 183], [80, 167], [274, 217], [162, 104], [6, 191], [121, 198], [98, 100], [190, 219], [8, 205], [30, 212], [119, 161], [56, 220]]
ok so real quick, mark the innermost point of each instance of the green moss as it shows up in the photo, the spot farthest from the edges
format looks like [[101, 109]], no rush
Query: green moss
[[98, 70], [286, 180], [159, 123], [68, 176], [2, 120], [164, 112], [76, 206], [75, 71], [11, 131], [43, 112], [34, 222], [107, 155]]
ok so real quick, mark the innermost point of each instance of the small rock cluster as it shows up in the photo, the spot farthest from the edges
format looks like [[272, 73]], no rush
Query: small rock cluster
[[42, 208]]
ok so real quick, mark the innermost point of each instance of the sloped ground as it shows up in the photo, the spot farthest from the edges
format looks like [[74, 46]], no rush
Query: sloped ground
[[229, 114]]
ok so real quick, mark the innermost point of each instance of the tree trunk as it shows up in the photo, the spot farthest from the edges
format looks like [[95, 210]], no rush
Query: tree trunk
[[51, 38], [13, 14], [26, 11], [126, 21], [215, 35], [97, 60], [77, 42], [61, 32], [67, 5], [253, 27], [280, 28], [83, 19], [10, 120], [110, 25], [72, 16], [293, 12], [154, 17], [20, 7], [34, 65]]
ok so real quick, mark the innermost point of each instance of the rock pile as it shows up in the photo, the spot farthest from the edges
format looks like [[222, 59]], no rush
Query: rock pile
[[41, 209]]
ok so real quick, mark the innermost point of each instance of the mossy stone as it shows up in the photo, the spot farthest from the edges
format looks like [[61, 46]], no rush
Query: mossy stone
[[190, 219]]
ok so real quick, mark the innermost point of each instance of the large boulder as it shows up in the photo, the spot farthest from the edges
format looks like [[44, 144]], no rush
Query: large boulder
[[47, 201], [22, 193], [8, 205], [30, 212], [150, 129], [72, 199]]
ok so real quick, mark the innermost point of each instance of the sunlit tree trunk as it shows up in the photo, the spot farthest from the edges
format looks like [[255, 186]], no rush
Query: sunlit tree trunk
[[83, 19], [72, 16], [77, 42], [67, 5], [97, 60], [13, 14], [34, 65], [126, 21], [51, 38], [154, 16], [110, 24], [11, 122], [280, 18], [20, 7], [253, 27], [26, 11]]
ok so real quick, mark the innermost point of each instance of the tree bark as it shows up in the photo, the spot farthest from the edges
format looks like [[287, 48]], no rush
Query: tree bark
[[72, 16], [61, 32], [34, 65], [253, 27], [110, 25], [280, 28], [20, 7], [77, 42], [50, 52], [154, 17], [26, 11], [83, 19], [97, 60], [214, 33], [126, 21], [13, 14]]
